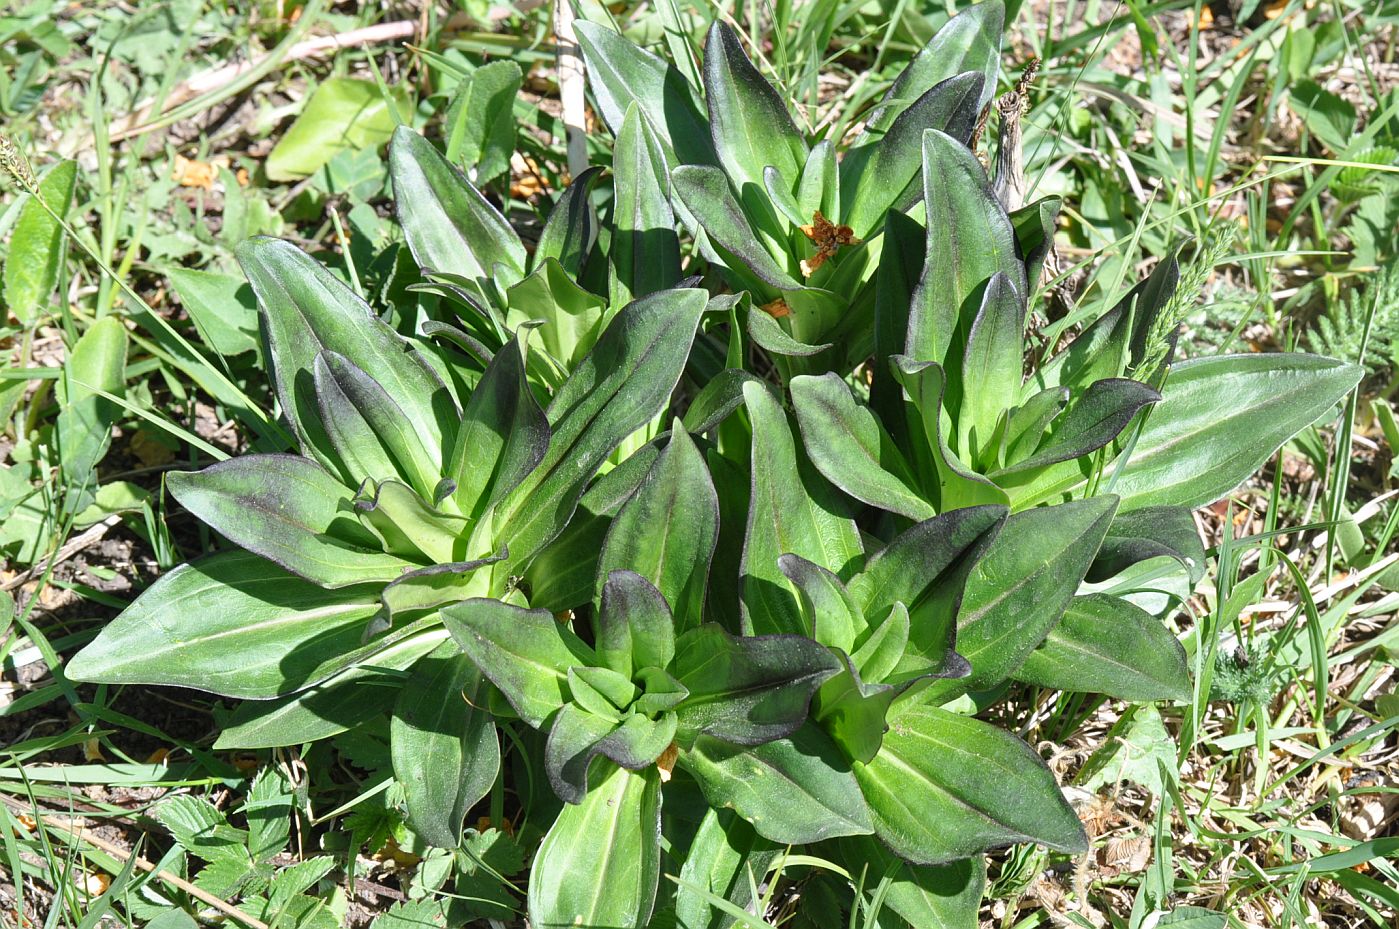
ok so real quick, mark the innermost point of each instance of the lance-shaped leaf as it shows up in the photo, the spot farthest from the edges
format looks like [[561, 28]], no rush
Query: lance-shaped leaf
[[1193, 450], [900, 263], [1021, 586], [854, 712], [525, 653], [727, 859], [569, 316], [503, 433], [621, 74], [645, 249], [881, 172], [600, 863], [635, 629], [35, 254], [445, 750], [945, 787], [791, 510], [831, 616], [970, 41], [306, 310], [852, 449], [289, 510], [1151, 532], [794, 790], [942, 896], [353, 403], [408, 526], [991, 367], [667, 531], [1034, 235], [705, 192], [577, 737], [280, 627], [625, 380], [1106, 645], [767, 333], [571, 228], [1091, 422], [969, 239], [748, 122], [747, 690], [448, 224]]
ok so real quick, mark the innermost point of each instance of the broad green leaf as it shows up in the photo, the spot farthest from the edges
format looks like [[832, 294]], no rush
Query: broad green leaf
[[1021, 586], [448, 224], [342, 113], [307, 310], [620, 74], [667, 531], [820, 183], [221, 306], [749, 123], [1106, 645], [1220, 418], [503, 433], [747, 690], [1091, 422], [358, 451], [289, 510], [767, 333], [578, 737], [600, 863], [480, 121], [991, 367], [570, 317], [881, 172], [83, 430], [705, 192], [883, 645], [832, 617], [36, 246], [1137, 749], [525, 653], [792, 510], [852, 449], [927, 896], [970, 41], [853, 712], [1329, 116], [622, 384], [792, 791], [896, 278], [726, 858], [183, 628], [645, 249], [445, 750], [571, 228], [945, 787], [634, 626], [409, 526], [970, 239]]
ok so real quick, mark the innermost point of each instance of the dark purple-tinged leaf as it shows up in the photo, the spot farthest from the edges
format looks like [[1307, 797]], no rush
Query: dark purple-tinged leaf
[[1151, 532], [1035, 224], [291, 511], [705, 192], [719, 397], [831, 616], [767, 333], [525, 653], [793, 790], [571, 228], [977, 787], [445, 750], [577, 737], [1027, 424], [1107, 645], [634, 628], [1091, 422]]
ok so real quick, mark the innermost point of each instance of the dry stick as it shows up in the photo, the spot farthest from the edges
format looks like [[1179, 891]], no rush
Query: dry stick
[[89, 536], [571, 80], [69, 831]]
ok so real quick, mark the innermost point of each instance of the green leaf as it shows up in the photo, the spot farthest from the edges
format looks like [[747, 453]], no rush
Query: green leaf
[[268, 810], [202, 830], [503, 433], [343, 113], [1137, 750], [1151, 532], [525, 653], [747, 690], [667, 531], [705, 192], [1220, 418], [221, 306], [448, 224], [620, 74], [727, 859], [36, 246], [645, 249], [635, 629], [307, 310], [1091, 422], [83, 430], [936, 896], [767, 333], [289, 510], [600, 863], [970, 238], [480, 120], [852, 449], [945, 787], [792, 791], [1035, 224], [625, 380], [569, 316], [1106, 645], [445, 750], [831, 616], [572, 225], [1328, 116], [881, 171], [1193, 917], [991, 367], [791, 511], [577, 737], [281, 627], [1019, 589]]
